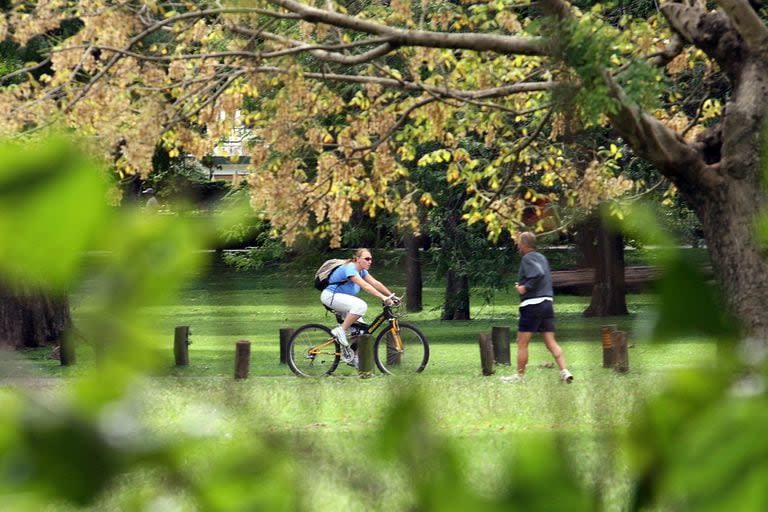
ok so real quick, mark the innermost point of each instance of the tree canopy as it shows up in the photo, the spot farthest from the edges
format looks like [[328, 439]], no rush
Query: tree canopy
[[340, 96]]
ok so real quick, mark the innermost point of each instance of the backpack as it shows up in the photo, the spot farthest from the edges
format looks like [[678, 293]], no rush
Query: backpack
[[323, 274]]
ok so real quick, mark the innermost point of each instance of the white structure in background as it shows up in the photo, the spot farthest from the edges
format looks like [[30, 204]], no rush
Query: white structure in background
[[230, 160]]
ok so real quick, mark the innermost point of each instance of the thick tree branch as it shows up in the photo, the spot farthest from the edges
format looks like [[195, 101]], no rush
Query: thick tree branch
[[671, 50], [660, 145], [324, 52], [402, 37], [712, 32], [746, 21]]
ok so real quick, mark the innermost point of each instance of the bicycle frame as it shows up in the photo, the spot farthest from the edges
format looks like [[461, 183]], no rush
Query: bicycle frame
[[385, 316]]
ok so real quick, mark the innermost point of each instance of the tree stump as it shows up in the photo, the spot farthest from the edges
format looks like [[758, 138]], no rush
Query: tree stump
[[500, 337], [242, 359], [181, 345], [620, 354], [285, 337], [67, 351], [486, 353], [605, 337], [365, 356]]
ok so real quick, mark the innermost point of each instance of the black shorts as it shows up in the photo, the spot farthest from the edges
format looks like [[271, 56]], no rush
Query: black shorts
[[537, 318]]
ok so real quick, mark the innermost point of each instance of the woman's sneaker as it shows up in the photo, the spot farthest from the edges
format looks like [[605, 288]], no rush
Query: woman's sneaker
[[340, 335], [566, 376], [348, 356], [355, 362]]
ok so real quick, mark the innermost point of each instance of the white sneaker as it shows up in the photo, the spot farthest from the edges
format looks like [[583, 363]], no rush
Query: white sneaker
[[340, 335], [348, 356], [511, 378], [566, 376]]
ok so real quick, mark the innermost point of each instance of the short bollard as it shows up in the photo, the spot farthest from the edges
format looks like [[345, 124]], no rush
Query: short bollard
[[181, 345], [365, 356], [242, 359], [486, 353], [620, 354], [67, 351], [500, 337], [605, 338], [285, 337]]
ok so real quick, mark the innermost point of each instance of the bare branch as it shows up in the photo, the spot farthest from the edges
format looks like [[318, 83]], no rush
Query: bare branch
[[526, 142], [495, 92], [396, 126], [28, 69], [337, 57], [153, 28], [222, 86], [165, 58]]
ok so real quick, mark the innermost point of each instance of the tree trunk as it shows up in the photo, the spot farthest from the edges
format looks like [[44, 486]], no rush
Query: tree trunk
[[414, 283], [607, 255], [456, 297], [729, 216], [29, 318]]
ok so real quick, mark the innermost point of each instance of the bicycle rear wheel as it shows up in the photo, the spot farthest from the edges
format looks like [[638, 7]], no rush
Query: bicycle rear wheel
[[409, 356], [313, 351]]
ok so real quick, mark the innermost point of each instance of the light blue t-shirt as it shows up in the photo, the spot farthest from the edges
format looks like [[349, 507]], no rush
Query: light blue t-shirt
[[343, 273]]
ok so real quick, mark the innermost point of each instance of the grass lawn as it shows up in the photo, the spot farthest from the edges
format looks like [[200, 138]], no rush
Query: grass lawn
[[482, 418]]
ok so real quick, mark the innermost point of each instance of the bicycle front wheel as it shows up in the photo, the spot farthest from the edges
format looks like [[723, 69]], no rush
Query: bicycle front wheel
[[313, 351], [404, 352]]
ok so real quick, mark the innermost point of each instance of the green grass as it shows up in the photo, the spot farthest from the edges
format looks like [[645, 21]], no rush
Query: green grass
[[224, 306], [481, 418]]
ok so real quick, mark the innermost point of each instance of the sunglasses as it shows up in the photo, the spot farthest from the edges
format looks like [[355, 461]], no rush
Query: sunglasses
[[368, 259]]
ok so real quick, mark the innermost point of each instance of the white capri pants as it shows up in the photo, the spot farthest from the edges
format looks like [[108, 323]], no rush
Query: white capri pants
[[344, 303]]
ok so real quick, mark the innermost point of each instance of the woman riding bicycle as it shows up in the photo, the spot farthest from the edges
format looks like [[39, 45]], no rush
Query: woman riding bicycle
[[341, 295]]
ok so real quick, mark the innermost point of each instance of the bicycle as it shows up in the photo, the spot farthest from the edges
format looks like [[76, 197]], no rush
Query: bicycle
[[401, 348]]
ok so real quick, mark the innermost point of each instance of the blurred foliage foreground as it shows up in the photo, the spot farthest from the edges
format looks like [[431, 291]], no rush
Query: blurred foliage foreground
[[698, 445]]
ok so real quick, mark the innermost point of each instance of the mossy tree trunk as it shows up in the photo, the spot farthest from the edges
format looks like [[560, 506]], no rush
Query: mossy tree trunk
[[30, 318]]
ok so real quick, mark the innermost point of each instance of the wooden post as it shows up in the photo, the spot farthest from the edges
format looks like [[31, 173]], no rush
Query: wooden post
[[605, 337], [181, 345], [285, 337], [486, 353], [620, 354], [242, 358], [365, 356], [67, 351], [500, 337]]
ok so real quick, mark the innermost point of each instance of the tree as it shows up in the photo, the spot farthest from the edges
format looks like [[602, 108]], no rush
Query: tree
[[497, 70], [603, 250], [31, 318], [413, 281]]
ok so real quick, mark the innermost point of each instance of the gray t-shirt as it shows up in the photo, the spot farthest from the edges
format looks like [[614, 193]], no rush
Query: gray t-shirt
[[535, 276]]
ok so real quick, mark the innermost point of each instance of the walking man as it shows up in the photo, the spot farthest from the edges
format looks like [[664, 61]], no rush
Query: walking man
[[534, 285]]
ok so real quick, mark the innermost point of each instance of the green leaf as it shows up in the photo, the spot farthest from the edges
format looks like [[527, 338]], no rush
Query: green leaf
[[52, 201]]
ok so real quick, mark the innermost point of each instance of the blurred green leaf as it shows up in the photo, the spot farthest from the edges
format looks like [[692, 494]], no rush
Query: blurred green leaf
[[689, 305], [52, 200], [701, 445]]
